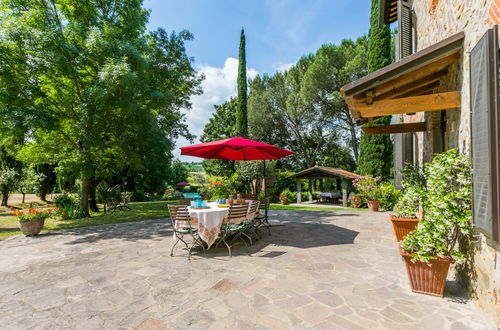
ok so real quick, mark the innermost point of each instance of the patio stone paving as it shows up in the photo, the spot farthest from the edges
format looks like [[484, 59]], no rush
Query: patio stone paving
[[319, 269]]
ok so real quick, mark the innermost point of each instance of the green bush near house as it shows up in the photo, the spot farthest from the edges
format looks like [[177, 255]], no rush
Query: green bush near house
[[389, 196], [447, 209]]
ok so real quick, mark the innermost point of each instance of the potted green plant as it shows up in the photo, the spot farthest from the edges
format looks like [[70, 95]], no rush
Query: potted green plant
[[405, 217], [31, 222], [369, 188], [429, 250]]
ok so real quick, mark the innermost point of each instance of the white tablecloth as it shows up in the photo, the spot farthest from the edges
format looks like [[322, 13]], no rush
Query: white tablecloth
[[209, 221]]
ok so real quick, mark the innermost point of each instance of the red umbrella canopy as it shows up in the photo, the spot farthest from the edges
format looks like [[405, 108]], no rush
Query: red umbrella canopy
[[235, 149], [182, 184]]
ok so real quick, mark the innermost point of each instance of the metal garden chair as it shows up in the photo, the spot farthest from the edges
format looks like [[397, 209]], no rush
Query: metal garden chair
[[182, 226], [234, 226]]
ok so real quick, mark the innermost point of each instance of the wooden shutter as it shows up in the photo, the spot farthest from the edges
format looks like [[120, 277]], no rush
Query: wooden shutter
[[485, 124], [405, 35]]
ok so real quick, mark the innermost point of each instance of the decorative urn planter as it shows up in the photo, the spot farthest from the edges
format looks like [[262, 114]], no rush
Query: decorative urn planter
[[283, 201], [403, 226], [427, 278], [31, 227], [373, 205]]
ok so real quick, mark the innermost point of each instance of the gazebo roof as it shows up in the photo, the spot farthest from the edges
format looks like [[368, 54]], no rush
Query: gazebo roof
[[324, 172]]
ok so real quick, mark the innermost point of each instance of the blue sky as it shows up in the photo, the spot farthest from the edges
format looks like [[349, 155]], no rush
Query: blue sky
[[278, 33]]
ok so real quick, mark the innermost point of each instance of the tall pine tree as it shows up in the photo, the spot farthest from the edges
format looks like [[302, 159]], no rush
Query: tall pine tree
[[242, 116], [375, 151]]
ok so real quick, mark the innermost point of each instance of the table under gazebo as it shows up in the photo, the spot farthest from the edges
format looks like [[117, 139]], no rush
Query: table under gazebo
[[321, 172]]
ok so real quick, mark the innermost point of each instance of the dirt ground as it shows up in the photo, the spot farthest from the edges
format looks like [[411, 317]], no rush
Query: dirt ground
[[17, 198]]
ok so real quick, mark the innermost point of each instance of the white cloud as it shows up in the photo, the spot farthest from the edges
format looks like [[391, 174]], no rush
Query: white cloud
[[282, 66], [220, 85]]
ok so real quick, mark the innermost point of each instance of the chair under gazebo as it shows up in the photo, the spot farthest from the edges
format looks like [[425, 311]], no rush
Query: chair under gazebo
[[321, 172]]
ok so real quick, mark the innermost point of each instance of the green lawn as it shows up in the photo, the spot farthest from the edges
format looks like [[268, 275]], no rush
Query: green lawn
[[140, 211]]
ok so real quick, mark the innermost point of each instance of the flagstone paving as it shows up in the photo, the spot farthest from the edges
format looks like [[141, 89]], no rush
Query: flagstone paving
[[319, 269]]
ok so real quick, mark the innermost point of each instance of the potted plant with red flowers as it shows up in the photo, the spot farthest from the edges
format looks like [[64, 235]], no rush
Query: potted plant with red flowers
[[356, 202], [285, 196], [370, 188], [31, 222], [429, 250], [407, 210]]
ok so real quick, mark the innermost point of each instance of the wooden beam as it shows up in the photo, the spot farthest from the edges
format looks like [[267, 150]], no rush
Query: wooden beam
[[401, 90], [396, 128], [409, 77], [426, 89], [431, 102]]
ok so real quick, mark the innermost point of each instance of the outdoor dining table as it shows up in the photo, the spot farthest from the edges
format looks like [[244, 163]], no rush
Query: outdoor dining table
[[209, 221]]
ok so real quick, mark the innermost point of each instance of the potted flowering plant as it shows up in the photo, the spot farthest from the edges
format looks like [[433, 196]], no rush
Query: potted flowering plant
[[283, 200], [369, 187], [31, 222], [356, 202], [405, 217], [429, 250], [286, 196]]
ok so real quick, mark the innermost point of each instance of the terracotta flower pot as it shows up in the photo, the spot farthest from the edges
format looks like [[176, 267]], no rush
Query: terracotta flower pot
[[283, 201], [373, 205], [403, 226], [427, 278], [31, 227]]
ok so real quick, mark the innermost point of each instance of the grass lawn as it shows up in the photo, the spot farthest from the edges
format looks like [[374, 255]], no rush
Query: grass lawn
[[140, 211], [311, 208]]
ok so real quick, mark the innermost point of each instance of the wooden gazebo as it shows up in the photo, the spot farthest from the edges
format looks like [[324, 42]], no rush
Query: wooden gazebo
[[320, 172]]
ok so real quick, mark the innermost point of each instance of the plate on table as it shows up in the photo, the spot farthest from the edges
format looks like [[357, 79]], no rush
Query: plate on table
[[200, 208], [223, 205]]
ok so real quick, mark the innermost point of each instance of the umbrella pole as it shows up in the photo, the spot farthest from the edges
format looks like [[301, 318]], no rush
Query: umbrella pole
[[265, 197]]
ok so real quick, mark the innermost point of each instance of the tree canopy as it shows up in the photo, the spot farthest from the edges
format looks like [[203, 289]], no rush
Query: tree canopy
[[90, 89]]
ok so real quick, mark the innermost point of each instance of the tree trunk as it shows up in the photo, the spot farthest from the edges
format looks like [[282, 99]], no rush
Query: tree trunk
[[24, 197], [43, 196], [84, 203], [92, 196], [5, 196]]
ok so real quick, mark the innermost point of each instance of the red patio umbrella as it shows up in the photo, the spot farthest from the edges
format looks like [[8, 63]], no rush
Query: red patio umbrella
[[182, 184], [238, 149]]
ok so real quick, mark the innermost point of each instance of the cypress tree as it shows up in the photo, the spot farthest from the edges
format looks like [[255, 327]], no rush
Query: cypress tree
[[375, 151], [242, 116]]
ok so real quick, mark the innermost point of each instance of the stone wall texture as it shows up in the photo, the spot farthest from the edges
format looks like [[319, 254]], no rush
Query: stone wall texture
[[436, 20]]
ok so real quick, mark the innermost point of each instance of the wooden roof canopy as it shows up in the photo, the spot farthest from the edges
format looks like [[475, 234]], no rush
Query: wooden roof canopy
[[316, 172], [406, 86], [388, 12]]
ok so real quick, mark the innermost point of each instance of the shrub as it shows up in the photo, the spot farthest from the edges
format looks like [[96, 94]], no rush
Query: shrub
[[64, 200], [68, 206], [447, 209], [290, 195], [414, 191], [389, 196], [172, 194], [107, 194], [139, 196]]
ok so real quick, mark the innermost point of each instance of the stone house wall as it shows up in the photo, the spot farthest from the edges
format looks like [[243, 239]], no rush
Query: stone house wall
[[436, 20]]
